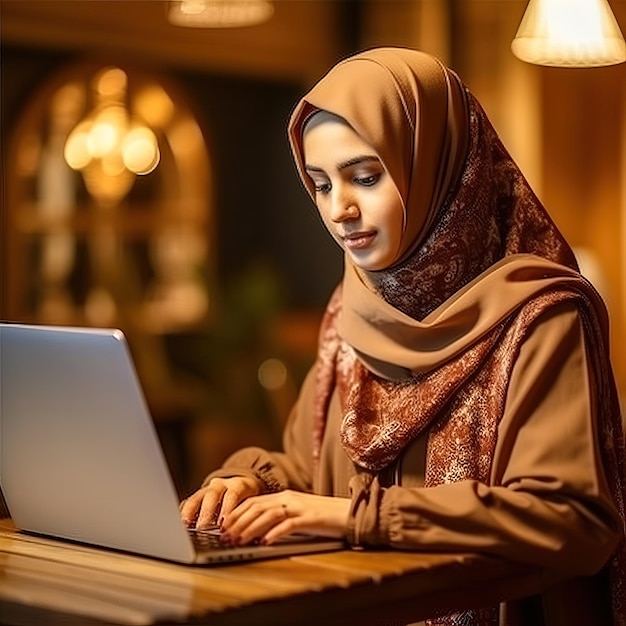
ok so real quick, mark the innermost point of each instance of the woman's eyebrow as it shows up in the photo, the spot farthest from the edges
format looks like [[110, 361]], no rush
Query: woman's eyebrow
[[357, 160], [313, 168]]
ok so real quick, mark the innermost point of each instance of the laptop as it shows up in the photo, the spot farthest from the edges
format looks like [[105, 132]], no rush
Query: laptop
[[80, 459]]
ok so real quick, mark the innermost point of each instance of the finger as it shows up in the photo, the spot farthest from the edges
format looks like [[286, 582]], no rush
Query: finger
[[238, 509], [189, 508], [285, 528], [255, 521], [209, 508], [239, 490], [232, 499]]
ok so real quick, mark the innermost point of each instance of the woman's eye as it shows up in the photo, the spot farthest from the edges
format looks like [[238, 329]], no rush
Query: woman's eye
[[367, 181], [322, 187]]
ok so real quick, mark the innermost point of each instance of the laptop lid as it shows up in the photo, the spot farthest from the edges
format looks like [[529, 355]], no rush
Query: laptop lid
[[79, 455], [80, 458]]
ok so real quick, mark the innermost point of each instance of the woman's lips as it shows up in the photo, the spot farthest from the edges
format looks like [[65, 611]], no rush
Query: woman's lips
[[356, 241]]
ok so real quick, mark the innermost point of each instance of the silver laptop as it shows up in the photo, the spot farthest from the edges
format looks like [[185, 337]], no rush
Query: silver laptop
[[79, 455]]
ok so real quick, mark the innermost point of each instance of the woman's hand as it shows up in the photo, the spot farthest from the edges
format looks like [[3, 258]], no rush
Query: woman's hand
[[207, 506], [271, 516]]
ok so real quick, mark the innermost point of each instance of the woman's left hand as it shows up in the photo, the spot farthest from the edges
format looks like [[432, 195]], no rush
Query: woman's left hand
[[271, 516]]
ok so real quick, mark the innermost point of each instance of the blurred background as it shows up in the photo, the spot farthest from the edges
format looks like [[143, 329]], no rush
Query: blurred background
[[147, 184]]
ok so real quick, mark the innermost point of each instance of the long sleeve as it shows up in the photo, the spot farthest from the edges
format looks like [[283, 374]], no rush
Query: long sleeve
[[547, 502]]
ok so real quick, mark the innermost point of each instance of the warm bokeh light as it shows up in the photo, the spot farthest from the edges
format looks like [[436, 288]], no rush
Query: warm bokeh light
[[76, 150], [219, 13], [154, 105], [111, 82], [109, 140], [140, 151], [272, 374], [106, 132]]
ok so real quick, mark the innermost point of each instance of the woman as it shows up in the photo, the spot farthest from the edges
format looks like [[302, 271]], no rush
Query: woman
[[462, 398]]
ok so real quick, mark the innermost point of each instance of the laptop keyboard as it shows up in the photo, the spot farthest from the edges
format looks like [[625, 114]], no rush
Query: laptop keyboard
[[208, 539]]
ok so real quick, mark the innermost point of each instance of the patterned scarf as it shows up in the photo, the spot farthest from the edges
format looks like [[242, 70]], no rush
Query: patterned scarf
[[381, 416]]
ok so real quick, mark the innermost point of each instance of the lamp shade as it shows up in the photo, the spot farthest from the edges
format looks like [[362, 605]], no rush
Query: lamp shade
[[569, 33]]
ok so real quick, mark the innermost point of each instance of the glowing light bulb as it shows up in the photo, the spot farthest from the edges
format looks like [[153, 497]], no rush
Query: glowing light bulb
[[76, 151], [140, 151]]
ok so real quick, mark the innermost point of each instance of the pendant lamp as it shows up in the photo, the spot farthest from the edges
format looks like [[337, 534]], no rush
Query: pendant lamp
[[219, 13], [569, 33]]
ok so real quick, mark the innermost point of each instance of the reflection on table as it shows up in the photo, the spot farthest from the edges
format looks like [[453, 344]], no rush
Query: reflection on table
[[55, 582]]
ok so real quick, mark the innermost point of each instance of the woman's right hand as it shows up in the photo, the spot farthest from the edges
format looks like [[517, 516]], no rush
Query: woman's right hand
[[207, 506]]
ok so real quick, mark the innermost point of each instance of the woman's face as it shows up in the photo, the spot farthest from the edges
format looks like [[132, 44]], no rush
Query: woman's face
[[356, 197]]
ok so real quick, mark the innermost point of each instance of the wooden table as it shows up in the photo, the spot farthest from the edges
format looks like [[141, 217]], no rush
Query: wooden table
[[51, 582]]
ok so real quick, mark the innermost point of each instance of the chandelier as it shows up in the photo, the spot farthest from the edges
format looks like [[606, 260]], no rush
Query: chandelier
[[110, 146]]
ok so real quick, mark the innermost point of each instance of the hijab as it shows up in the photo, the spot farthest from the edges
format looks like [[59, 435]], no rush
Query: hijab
[[480, 260], [466, 207], [415, 125]]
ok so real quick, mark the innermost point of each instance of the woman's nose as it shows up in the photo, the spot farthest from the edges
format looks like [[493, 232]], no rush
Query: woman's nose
[[343, 207]]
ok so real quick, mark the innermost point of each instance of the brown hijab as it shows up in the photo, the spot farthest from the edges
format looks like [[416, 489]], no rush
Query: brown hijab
[[480, 261], [416, 125], [467, 208]]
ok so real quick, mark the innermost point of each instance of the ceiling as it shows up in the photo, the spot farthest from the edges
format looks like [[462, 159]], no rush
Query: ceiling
[[300, 41]]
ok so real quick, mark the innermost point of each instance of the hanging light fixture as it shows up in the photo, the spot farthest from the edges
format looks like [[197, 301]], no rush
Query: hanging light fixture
[[110, 146], [219, 13], [569, 33]]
